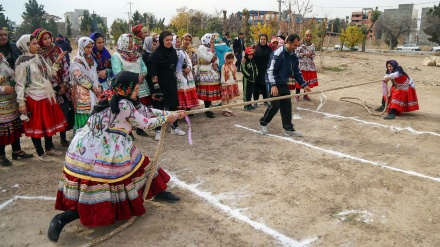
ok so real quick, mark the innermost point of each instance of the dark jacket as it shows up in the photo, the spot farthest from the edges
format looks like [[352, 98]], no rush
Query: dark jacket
[[282, 65], [249, 70], [11, 53], [226, 41], [238, 46], [65, 46]]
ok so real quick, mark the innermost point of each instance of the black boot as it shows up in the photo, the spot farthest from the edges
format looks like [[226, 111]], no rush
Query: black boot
[[55, 228], [166, 197], [380, 108], [4, 161], [210, 114], [141, 132]]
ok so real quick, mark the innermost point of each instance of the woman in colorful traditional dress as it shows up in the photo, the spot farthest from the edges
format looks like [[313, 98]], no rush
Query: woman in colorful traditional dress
[[163, 64], [208, 88], [60, 83], [36, 97], [306, 54], [126, 58], [186, 88], [11, 127], [84, 79], [139, 34], [104, 173], [229, 86], [402, 96], [102, 58]]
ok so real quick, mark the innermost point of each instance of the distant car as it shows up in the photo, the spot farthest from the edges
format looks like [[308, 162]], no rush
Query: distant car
[[408, 47], [346, 47], [435, 48]]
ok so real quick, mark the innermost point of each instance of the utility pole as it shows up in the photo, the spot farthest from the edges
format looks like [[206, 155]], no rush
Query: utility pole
[[279, 15], [129, 27], [129, 17]]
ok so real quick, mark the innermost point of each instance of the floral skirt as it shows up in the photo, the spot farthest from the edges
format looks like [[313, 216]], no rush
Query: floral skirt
[[230, 91], [46, 119], [10, 131], [100, 204], [209, 92], [187, 98]]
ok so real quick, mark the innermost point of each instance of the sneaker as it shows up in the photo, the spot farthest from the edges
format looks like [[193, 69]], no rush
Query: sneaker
[[247, 108], [65, 143], [53, 152], [5, 162], [266, 103], [178, 131], [44, 158], [157, 136], [226, 114], [55, 228], [292, 133], [210, 114], [389, 116], [307, 98], [166, 197], [256, 105], [296, 98], [263, 130], [380, 108], [252, 107]]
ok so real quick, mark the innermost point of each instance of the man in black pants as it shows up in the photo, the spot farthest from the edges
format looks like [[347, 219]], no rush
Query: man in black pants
[[238, 47], [283, 63]]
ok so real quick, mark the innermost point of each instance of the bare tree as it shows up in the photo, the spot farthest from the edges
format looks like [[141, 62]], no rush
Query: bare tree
[[300, 9], [394, 27]]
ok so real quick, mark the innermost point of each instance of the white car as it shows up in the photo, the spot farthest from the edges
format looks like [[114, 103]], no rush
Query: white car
[[436, 48], [346, 47], [408, 47]]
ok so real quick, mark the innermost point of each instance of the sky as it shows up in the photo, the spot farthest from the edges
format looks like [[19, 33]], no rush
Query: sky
[[167, 8]]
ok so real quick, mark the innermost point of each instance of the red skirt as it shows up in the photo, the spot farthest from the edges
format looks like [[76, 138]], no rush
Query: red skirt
[[146, 101], [403, 100], [10, 131], [209, 92], [46, 119], [310, 77], [187, 98], [100, 204], [230, 92]]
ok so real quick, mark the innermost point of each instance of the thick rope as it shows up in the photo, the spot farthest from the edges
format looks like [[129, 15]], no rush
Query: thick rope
[[159, 150], [365, 105]]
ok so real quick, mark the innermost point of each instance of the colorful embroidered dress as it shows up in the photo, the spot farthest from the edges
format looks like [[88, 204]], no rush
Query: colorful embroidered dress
[[104, 173], [307, 65], [103, 60], [208, 87], [11, 127], [403, 96]]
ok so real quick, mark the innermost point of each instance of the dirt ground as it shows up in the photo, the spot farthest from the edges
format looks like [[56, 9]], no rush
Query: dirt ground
[[353, 180]]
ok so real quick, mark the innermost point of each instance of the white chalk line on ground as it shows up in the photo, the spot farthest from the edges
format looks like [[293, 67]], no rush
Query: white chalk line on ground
[[391, 127], [44, 198], [339, 154], [235, 213]]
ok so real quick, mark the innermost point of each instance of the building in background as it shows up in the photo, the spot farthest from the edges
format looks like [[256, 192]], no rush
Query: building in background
[[423, 37], [404, 10], [363, 18]]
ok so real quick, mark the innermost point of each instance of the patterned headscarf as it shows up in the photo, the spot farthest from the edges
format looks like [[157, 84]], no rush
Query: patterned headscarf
[[39, 34], [396, 67], [206, 39], [46, 51], [137, 30], [175, 37], [122, 48], [82, 43], [5, 65]]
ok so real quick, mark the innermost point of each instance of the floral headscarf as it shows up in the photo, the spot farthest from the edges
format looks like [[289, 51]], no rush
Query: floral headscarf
[[122, 48], [206, 39], [24, 41]]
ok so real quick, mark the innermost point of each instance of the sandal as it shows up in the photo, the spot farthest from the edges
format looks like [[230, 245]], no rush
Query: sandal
[[226, 114]]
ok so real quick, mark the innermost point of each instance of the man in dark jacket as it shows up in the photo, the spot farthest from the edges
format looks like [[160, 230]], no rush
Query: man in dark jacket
[[283, 63], [226, 39], [64, 45], [238, 47], [7, 48]]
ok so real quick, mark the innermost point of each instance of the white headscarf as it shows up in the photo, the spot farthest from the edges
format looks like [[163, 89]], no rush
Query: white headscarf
[[175, 41], [206, 39], [23, 43], [86, 70], [123, 42], [148, 44]]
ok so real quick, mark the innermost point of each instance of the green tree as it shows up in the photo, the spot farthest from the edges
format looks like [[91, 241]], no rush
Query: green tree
[[351, 36], [433, 24], [68, 27], [4, 21], [85, 26], [33, 17], [51, 26], [137, 18], [119, 27], [393, 27], [246, 26]]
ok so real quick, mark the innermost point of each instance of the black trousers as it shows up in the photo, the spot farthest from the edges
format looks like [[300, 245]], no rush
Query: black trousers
[[15, 147], [248, 89], [285, 107], [48, 144], [260, 89], [238, 62]]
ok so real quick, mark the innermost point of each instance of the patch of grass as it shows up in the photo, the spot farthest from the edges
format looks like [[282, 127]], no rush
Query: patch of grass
[[334, 69]]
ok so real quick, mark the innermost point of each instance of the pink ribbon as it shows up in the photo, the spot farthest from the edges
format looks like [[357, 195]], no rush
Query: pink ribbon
[[190, 141]]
